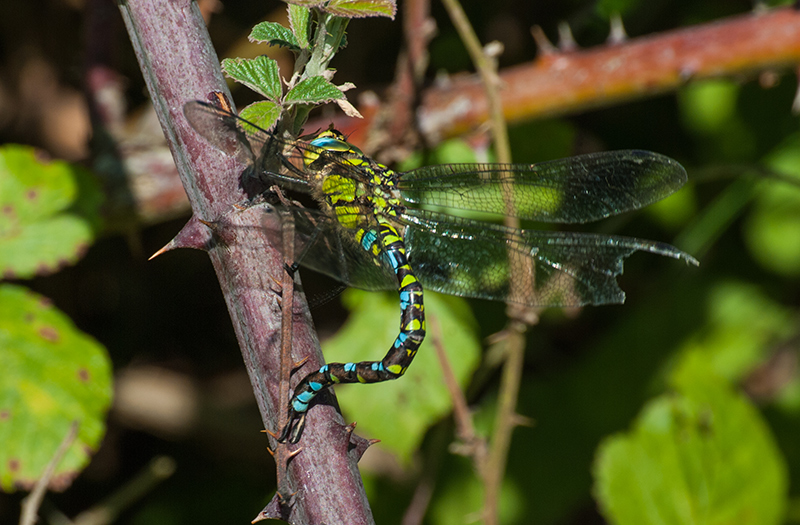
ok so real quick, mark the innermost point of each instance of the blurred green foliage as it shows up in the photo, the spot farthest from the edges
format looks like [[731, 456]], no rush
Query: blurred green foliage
[[49, 212], [52, 374]]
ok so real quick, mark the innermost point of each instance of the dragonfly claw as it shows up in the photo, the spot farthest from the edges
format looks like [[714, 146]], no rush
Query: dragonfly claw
[[294, 428]]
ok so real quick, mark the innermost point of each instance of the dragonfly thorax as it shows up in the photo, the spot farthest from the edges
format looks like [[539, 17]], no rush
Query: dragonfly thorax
[[349, 185]]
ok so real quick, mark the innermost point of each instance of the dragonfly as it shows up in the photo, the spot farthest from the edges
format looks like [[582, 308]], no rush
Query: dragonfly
[[377, 229]]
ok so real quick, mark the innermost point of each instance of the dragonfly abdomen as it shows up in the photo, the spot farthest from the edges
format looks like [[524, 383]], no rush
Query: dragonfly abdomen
[[385, 242]]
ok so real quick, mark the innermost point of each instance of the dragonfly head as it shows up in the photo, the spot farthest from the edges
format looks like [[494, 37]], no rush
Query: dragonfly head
[[329, 140]]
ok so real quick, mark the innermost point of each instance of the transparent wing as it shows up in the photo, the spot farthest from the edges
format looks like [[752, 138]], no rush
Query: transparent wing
[[477, 259], [473, 259], [571, 190], [258, 147], [225, 131], [324, 246]]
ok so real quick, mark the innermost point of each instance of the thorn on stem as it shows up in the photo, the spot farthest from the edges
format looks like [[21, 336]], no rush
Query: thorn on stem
[[192, 235], [493, 49], [617, 35], [164, 249], [522, 421], [298, 364], [542, 42], [566, 42]]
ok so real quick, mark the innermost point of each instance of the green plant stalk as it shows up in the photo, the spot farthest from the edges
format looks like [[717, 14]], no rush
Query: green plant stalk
[[327, 39], [30, 505]]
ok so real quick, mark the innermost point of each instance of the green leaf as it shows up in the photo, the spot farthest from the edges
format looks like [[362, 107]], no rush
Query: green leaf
[[676, 210], [399, 412], [709, 105], [53, 374], [299, 20], [263, 114], [274, 34], [314, 90], [771, 229], [701, 456], [351, 8], [743, 325], [259, 74], [49, 211], [453, 151]]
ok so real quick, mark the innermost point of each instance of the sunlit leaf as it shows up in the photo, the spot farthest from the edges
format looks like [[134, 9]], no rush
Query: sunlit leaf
[[263, 114], [274, 34], [742, 327], [351, 8], [314, 90], [259, 74], [771, 228], [299, 19], [709, 105], [52, 375]]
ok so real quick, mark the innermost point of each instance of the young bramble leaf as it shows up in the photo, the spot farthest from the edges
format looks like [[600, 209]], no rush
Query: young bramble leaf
[[274, 34], [53, 374], [259, 74], [299, 20], [352, 8], [263, 114], [362, 8], [314, 90]]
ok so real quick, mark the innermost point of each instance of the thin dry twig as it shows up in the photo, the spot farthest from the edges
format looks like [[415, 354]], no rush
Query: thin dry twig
[[282, 453], [492, 466], [159, 469], [465, 429], [30, 505]]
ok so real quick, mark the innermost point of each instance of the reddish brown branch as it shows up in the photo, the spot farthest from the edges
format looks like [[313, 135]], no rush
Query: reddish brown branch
[[567, 82], [570, 81]]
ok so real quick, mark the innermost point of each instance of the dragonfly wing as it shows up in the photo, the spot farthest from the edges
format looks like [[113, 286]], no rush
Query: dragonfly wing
[[248, 143], [471, 259], [222, 129], [571, 190], [324, 246]]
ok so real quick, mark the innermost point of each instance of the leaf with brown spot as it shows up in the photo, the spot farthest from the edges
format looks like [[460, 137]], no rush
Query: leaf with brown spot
[[49, 213], [52, 375]]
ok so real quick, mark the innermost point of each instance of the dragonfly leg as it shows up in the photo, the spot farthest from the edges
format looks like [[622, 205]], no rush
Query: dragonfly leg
[[399, 356]]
